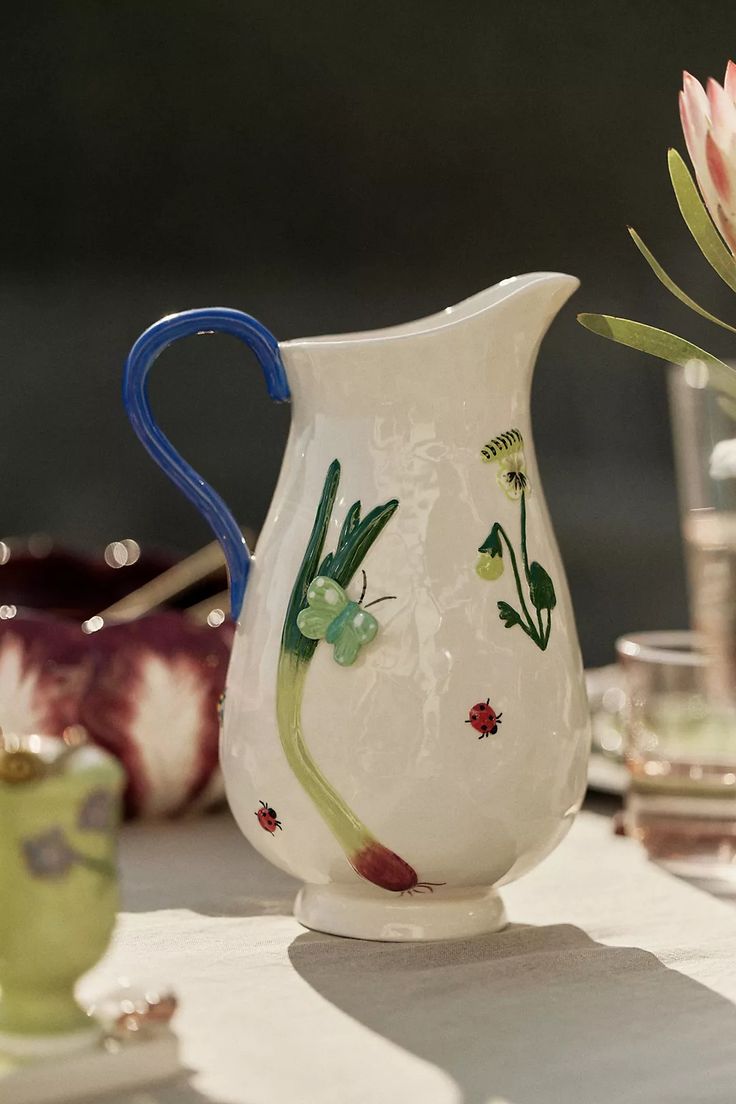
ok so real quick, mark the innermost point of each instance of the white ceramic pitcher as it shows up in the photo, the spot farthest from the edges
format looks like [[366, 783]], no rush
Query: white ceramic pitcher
[[405, 726]]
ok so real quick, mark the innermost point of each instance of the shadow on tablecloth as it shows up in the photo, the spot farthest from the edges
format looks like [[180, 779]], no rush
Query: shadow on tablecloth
[[535, 1015], [202, 864], [178, 1091]]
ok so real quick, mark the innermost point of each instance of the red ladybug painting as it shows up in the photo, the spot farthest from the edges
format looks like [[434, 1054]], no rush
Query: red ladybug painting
[[484, 719], [267, 818]]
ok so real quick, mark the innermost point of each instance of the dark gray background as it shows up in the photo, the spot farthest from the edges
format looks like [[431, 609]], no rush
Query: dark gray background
[[341, 166]]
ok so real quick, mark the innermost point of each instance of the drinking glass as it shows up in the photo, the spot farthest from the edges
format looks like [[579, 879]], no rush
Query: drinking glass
[[680, 752], [703, 406]]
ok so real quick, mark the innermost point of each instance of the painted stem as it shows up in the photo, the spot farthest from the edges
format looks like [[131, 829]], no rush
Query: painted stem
[[368, 857], [349, 831], [525, 557], [529, 628], [527, 572], [548, 629]]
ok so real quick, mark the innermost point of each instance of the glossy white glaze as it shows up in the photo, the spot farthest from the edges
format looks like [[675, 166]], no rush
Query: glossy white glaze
[[358, 911], [406, 411]]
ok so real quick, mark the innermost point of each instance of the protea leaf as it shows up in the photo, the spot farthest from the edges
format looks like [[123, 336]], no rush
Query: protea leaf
[[699, 222], [670, 284], [659, 343]]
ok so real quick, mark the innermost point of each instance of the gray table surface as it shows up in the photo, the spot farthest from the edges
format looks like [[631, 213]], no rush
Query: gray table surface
[[614, 982]]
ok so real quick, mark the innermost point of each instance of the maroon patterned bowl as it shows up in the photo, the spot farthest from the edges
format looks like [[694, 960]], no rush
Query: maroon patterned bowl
[[147, 691]]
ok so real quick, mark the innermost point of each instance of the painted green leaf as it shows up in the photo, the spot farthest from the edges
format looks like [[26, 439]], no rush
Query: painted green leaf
[[324, 567], [541, 588], [352, 519], [348, 559], [492, 543], [699, 222], [508, 615], [670, 284], [291, 639]]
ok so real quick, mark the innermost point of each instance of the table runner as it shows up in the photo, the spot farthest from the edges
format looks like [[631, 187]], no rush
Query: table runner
[[614, 982]]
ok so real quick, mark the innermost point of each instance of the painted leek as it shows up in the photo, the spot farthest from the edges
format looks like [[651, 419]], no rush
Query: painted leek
[[368, 857]]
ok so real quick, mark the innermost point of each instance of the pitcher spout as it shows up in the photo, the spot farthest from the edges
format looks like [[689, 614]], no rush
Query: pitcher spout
[[546, 292], [526, 306], [487, 341], [542, 294], [509, 321]]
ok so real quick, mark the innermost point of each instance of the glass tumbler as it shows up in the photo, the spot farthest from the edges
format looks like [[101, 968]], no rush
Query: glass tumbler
[[680, 753], [703, 408]]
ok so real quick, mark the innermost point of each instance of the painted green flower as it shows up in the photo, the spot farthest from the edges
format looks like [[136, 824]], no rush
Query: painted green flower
[[489, 567], [490, 560]]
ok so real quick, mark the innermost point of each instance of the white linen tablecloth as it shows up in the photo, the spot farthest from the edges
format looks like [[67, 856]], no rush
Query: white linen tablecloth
[[613, 983]]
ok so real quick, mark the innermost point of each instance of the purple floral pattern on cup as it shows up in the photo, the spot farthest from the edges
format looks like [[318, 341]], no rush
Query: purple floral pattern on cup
[[49, 855], [96, 813]]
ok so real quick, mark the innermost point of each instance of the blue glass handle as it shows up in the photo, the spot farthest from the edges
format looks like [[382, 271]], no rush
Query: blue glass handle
[[147, 348]]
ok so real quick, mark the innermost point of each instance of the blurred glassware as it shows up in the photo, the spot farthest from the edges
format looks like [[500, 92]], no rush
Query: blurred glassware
[[606, 699], [680, 751], [704, 428], [147, 690]]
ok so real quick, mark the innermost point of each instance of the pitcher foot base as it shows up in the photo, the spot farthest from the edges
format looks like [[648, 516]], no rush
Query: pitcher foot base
[[362, 912]]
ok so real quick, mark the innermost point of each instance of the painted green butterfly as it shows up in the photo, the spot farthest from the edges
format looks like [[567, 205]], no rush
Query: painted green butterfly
[[330, 615]]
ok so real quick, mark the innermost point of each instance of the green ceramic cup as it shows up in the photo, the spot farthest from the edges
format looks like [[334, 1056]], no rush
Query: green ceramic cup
[[59, 812]]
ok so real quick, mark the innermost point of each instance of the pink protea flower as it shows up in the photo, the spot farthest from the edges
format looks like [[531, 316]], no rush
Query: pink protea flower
[[709, 125]]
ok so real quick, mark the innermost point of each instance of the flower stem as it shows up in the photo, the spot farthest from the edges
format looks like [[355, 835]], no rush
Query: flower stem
[[523, 538], [530, 628], [548, 629], [542, 643]]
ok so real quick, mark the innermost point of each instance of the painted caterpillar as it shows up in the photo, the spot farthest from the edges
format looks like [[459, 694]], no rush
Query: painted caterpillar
[[499, 446]]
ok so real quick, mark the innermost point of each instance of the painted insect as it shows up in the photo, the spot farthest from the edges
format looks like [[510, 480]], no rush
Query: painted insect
[[420, 887], [332, 616], [484, 719], [267, 818], [500, 446]]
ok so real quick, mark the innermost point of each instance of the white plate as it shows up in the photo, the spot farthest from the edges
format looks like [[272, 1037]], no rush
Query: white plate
[[606, 775]]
